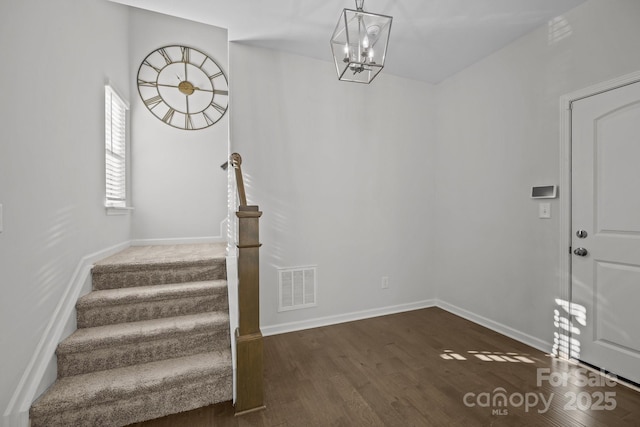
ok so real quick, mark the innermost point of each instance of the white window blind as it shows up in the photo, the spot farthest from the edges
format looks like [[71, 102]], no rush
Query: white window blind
[[115, 149]]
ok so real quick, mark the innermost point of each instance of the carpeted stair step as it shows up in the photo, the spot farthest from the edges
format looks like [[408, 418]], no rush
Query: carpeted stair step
[[158, 265], [122, 276], [112, 306], [123, 396], [124, 344]]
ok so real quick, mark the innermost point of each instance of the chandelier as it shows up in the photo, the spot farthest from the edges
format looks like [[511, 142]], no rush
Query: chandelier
[[359, 44]]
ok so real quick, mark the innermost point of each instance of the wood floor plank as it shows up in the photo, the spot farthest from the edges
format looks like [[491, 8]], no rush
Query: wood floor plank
[[421, 368]]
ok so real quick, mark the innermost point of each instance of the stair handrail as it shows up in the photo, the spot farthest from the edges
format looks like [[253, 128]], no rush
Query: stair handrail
[[249, 347], [236, 161]]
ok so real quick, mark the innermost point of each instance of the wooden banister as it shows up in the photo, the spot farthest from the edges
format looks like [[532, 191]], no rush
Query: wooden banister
[[249, 346], [236, 161]]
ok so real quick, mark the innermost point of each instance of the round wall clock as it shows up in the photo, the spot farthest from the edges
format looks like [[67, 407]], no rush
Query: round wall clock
[[183, 87]]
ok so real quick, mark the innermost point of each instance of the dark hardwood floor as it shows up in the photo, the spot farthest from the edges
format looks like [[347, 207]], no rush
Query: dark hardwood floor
[[421, 368]]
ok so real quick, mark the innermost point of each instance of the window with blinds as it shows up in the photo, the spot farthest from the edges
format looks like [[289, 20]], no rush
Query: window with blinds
[[115, 149]]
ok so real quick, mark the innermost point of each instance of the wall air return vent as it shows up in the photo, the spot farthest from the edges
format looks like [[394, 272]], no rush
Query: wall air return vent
[[296, 288]]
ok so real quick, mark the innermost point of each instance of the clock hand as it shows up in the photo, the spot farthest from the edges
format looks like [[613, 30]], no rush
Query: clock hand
[[221, 92], [177, 86], [187, 117], [217, 91]]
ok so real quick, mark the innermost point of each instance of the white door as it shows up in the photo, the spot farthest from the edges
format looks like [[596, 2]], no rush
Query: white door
[[605, 264]]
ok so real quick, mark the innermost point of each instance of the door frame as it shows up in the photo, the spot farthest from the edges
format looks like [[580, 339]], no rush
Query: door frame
[[566, 101]]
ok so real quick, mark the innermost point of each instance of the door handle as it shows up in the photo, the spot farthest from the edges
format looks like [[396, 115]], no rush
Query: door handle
[[580, 251]]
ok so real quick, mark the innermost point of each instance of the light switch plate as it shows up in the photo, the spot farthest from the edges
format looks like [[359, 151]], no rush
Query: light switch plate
[[544, 210]]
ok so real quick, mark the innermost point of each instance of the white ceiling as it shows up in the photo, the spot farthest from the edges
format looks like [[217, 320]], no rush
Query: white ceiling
[[430, 39]]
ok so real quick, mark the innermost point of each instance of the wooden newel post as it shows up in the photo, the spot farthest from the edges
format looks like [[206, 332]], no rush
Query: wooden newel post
[[250, 386]]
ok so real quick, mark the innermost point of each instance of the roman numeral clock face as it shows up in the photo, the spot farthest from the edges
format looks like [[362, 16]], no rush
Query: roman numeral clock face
[[183, 87]]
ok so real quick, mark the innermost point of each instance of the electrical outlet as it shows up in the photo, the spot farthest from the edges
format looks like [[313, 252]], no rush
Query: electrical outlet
[[385, 282]]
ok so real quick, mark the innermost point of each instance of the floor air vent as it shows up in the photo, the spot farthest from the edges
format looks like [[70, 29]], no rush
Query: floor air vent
[[296, 288]]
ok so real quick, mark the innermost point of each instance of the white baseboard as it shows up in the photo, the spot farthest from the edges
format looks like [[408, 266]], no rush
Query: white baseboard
[[283, 328], [530, 340], [18, 419], [527, 339], [17, 412]]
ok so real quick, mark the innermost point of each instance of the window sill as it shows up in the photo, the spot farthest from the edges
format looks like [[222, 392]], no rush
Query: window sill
[[118, 210]]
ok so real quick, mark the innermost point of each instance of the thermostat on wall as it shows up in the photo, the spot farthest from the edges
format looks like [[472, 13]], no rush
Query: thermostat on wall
[[544, 192]]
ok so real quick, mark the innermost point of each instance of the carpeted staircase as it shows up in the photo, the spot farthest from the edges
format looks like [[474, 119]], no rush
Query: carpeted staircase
[[152, 340]]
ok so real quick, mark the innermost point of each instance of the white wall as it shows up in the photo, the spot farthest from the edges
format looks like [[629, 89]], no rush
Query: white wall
[[498, 135], [57, 58], [179, 190], [344, 175]]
